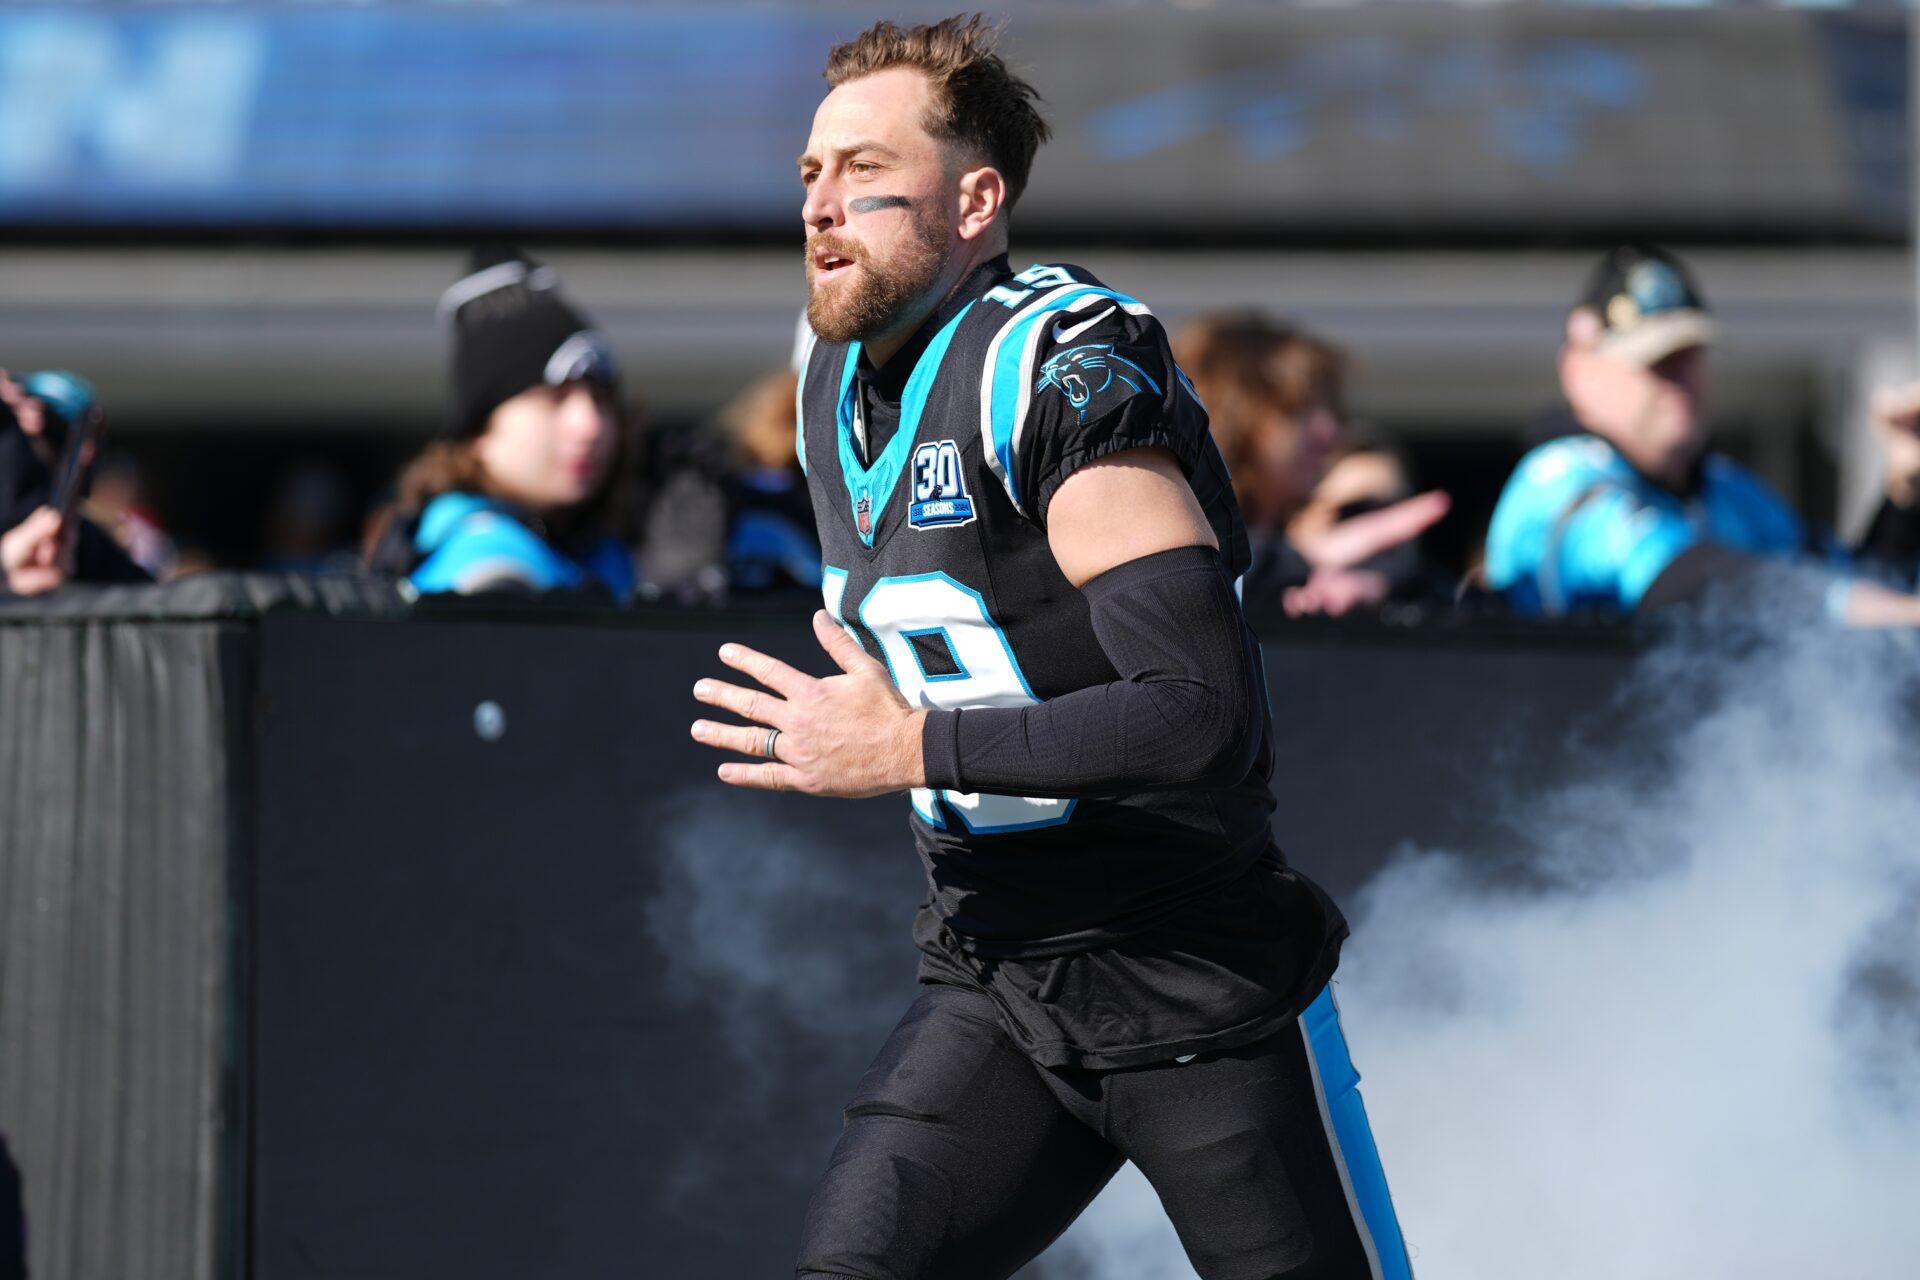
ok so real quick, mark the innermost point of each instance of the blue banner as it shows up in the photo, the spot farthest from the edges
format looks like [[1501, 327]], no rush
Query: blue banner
[[1241, 120], [564, 115]]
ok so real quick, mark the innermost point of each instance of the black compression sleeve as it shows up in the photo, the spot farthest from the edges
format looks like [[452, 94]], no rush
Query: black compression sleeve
[[1183, 712]]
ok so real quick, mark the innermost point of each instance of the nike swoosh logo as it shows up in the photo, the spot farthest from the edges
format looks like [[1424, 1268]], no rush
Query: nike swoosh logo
[[1062, 333]]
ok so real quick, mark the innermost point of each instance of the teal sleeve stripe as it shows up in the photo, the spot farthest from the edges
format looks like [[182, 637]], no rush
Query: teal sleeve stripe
[[1008, 377]]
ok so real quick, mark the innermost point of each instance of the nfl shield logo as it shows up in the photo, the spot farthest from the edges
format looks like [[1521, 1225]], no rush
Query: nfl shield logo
[[863, 515]]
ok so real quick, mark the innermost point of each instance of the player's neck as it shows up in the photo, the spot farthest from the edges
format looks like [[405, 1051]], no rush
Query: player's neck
[[966, 260], [878, 350]]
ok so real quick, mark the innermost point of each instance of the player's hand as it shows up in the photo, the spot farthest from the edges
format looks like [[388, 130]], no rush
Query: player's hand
[[32, 555], [1896, 422], [849, 735]]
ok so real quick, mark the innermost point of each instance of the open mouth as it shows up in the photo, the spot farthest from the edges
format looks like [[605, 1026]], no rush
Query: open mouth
[[827, 263]]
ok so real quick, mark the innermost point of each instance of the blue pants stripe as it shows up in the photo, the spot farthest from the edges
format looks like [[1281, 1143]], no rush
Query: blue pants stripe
[[1346, 1117]]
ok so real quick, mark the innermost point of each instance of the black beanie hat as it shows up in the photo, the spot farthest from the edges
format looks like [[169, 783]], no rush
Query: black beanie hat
[[512, 330]]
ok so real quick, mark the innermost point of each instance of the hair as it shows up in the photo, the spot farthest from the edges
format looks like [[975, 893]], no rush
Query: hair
[[1245, 365], [758, 422], [978, 102]]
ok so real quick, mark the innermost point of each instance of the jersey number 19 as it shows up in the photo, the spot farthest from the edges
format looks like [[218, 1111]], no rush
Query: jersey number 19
[[944, 650]]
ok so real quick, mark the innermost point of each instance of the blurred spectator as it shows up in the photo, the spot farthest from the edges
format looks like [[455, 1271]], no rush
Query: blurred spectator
[[772, 544], [683, 547], [116, 502], [1892, 539], [1368, 474], [530, 489], [1631, 509], [309, 525], [1273, 396], [40, 549]]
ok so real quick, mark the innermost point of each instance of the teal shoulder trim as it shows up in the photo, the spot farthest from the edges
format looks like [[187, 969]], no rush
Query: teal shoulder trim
[[1007, 379]]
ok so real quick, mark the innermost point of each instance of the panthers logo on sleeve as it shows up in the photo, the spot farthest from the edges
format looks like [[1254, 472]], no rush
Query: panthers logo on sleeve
[[1082, 373]]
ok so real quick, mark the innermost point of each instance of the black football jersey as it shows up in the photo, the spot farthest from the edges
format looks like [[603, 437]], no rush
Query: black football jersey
[[937, 561]]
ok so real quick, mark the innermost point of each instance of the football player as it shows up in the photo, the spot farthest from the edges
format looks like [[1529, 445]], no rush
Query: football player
[[1031, 546]]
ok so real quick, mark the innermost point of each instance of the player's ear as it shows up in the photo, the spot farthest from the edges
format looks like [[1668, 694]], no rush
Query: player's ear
[[983, 195]]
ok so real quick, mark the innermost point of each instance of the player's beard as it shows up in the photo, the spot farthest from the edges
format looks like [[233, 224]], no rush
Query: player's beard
[[886, 291]]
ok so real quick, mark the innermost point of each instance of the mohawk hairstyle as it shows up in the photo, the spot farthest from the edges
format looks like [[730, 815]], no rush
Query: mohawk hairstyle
[[978, 102]]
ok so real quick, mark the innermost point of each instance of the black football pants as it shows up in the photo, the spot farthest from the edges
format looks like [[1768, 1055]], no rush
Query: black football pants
[[962, 1160]]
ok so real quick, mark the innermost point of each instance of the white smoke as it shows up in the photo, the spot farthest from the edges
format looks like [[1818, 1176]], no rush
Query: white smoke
[[800, 957], [1680, 1038], [1123, 1235], [772, 934]]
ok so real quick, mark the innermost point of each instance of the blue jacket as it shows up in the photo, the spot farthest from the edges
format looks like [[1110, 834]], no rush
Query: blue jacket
[[471, 543], [1579, 530]]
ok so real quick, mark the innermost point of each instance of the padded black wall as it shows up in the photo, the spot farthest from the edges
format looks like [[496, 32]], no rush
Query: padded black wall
[[482, 1050], [123, 807], [472, 1056], [307, 971]]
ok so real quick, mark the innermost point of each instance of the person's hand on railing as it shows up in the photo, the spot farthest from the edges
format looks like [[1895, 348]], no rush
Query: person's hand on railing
[[33, 554]]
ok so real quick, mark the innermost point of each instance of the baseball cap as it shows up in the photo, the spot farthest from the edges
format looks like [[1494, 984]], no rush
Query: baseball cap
[[1648, 304]]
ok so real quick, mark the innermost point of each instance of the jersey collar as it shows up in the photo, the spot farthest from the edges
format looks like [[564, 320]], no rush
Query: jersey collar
[[869, 488]]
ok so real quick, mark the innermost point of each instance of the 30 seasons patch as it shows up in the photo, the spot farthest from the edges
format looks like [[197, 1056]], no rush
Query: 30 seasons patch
[[940, 497]]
